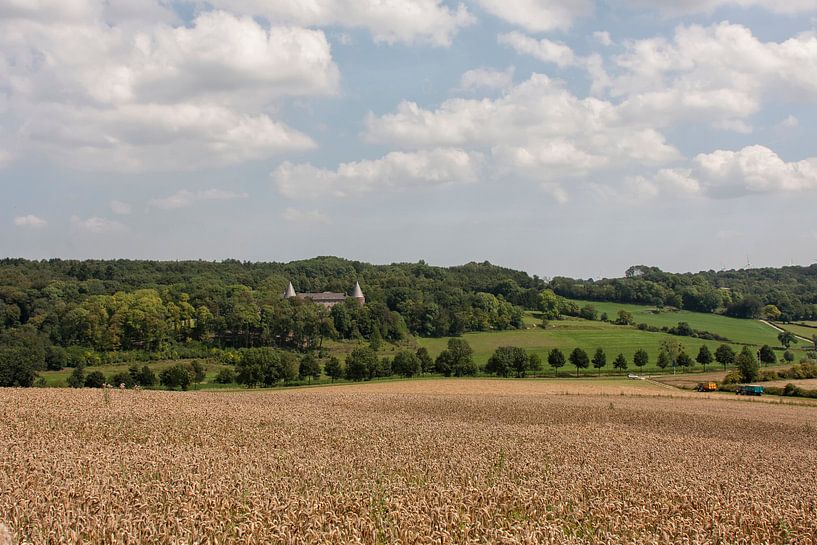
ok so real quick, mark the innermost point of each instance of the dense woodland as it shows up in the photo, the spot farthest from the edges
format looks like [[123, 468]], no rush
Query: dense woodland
[[59, 313], [746, 293]]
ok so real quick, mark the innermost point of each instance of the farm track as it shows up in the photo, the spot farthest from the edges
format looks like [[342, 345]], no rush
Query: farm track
[[449, 461], [781, 330]]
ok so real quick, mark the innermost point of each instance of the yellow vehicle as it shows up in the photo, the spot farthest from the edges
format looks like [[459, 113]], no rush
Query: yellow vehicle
[[707, 387]]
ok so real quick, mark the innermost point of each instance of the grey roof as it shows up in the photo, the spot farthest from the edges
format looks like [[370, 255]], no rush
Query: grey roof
[[323, 296], [357, 293]]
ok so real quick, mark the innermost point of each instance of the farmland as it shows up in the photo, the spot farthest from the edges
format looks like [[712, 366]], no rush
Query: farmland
[[574, 332], [434, 461]]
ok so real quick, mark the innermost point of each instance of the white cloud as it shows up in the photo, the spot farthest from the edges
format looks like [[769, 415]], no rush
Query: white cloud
[[603, 38], [393, 21], [487, 79], [394, 171], [159, 97], [717, 75], [121, 208], [544, 49], [96, 225], [753, 169], [538, 15], [686, 7], [185, 198], [536, 128], [30, 221], [296, 215], [559, 54]]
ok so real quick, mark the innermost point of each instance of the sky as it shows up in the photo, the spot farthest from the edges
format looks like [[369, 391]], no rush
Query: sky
[[562, 138]]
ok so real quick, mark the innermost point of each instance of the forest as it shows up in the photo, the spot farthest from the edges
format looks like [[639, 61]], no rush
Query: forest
[[57, 313]]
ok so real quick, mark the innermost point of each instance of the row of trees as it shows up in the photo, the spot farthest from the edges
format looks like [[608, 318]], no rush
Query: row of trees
[[787, 293]]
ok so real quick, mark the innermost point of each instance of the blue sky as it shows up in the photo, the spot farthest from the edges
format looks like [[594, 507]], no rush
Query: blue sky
[[561, 138]]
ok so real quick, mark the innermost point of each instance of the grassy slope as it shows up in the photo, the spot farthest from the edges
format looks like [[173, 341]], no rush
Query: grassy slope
[[570, 333], [735, 329], [802, 331]]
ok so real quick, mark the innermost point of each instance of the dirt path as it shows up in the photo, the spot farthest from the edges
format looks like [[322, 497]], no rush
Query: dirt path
[[780, 329]]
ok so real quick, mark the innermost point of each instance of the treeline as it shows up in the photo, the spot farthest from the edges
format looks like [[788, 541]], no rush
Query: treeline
[[59, 313], [786, 294]]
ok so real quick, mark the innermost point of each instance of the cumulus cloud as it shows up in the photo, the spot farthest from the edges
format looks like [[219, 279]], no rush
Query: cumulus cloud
[[96, 225], [296, 215], [753, 169], [403, 21], [559, 54], [686, 7], [718, 75], [157, 96], [185, 198], [30, 221], [537, 128], [394, 171], [538, 15], [486, 78]]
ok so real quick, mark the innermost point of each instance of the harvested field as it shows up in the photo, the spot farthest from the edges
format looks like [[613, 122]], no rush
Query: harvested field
[[448, 461]]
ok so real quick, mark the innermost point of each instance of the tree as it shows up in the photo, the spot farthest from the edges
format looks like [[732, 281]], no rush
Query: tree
[[556, 359], [121, 378], [672, 348], [407, 364], [549, 305], [704, 356], [225, 376], [77, 377], [534, 362], [685, 360], [625, 318], [604, 317], [620, 363], [767, 355], [725, 355], [457, 359], [506, 360], [426, 363], [334, 369], [94, 379], [177, 376], [664, 360], [788, 355], [579, 359], [771, 312], [309, 367], [147, 378], [588, 312], [747, 365], [199, 372], [360, 363], [786, 338], [641, 358], [599, 359]]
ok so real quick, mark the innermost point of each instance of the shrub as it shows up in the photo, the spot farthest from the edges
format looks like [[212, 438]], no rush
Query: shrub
[[732, 377], [94, 379], [225, 376], [121, 377]]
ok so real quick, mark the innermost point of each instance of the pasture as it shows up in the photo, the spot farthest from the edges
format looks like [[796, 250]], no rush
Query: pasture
[[570, 333], [433, 461]]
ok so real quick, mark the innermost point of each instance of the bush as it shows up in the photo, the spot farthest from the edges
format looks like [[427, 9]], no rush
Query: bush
[[94, 379], [791, 390], [122, 377], [732, 377], [225, 376], [178, 376]]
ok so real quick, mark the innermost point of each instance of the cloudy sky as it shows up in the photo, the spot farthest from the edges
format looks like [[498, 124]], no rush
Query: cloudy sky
[[572, 138]]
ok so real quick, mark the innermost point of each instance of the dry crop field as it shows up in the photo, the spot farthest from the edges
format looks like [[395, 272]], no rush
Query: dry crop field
[[447, 461]]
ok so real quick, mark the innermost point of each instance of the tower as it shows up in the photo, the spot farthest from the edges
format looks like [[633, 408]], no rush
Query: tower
[[357, 293], [290, 292]]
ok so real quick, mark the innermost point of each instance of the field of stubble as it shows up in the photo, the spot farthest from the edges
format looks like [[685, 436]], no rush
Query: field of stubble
[[450, 461]]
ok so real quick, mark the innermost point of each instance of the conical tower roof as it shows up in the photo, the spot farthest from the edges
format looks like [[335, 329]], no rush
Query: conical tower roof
[[290, 291], [357, 292]]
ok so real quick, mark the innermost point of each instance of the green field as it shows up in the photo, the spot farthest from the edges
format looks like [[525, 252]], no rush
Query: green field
[[735, 329], [574, 332], [802, 331]]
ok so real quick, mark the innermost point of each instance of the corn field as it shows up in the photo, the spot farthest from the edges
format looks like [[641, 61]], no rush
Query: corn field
[[436, 462]]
